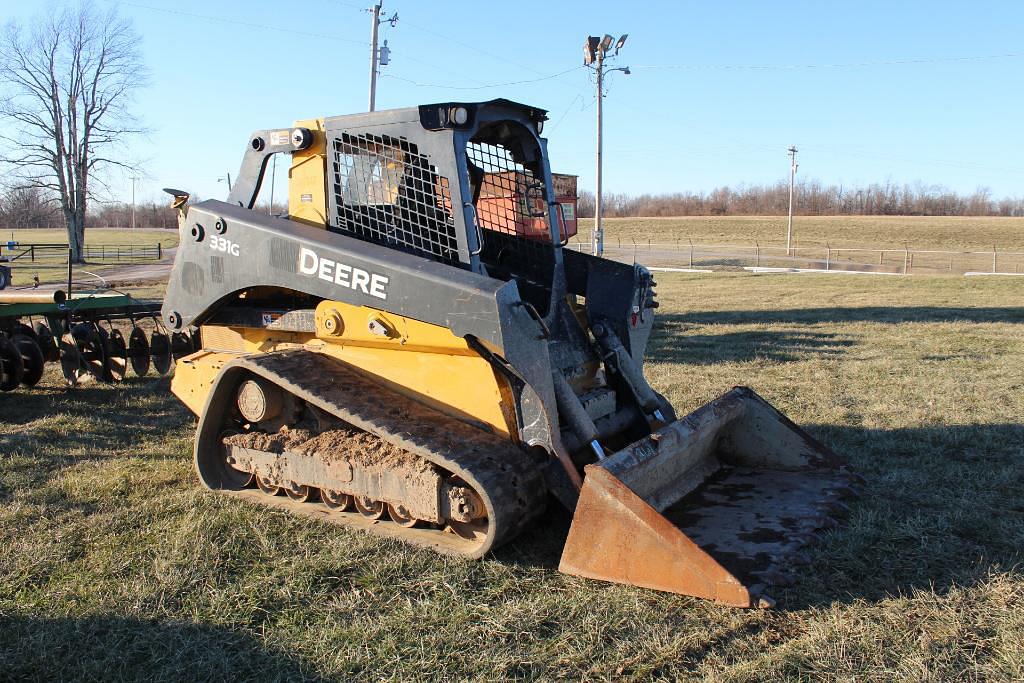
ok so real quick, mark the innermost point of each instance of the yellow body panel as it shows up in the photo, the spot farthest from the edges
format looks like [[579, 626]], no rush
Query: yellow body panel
[[424, 361], [307, 177]]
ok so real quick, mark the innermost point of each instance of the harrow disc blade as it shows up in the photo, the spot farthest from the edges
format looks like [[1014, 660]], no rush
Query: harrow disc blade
[[47, 343], [71, 363], [31, 358], [11, 366], [117, 356], [138, 351], [92, 349], [160, 352]]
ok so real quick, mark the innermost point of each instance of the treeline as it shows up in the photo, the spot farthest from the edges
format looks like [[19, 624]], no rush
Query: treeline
[[28, 208], [810, 198]]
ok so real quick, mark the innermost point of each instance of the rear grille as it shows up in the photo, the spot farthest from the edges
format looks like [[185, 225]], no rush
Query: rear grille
[[388, 193]]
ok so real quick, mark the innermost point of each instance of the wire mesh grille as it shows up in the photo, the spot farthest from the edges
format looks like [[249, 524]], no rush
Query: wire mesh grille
[[512, 212], [387, 192]]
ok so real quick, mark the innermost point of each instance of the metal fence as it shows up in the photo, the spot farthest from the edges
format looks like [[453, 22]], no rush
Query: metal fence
[[685, 253], [90, 252]]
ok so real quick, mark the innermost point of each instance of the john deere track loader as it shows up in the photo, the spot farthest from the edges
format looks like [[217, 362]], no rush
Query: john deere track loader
[[413, 351]]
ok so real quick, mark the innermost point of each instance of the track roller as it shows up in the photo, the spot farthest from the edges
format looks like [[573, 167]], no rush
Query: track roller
[[300, 493], [138, 351], [373, 509], [336, 500], [400, 516], [267, 486]]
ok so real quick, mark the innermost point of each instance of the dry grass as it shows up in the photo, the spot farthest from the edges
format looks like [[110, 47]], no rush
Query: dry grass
[[118, 566], [921, 232]]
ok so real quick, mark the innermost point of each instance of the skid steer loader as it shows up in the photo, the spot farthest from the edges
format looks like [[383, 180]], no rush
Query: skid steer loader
[[412, 351]]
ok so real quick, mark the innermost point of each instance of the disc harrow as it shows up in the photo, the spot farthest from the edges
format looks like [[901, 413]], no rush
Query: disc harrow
[[93, 336]]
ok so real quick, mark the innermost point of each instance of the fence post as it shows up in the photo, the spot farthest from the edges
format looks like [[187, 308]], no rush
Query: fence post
[[881, 255], [757, 254], [32, 252], [691, 251], [634, 249], [828, 256], [951, 263], [994, 258], [906, 257], [159, 251]]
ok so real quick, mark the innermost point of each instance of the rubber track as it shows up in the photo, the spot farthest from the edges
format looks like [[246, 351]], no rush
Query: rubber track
[[503, 474]]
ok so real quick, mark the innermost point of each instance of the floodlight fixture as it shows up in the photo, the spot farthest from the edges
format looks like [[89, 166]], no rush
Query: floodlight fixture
[[620, 42], [590, 47], [606, 43]]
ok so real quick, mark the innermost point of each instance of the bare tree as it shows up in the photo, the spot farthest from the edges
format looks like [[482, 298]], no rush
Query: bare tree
[[67, 82]]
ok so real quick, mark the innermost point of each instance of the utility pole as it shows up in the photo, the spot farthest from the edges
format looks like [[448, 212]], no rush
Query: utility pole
[[377, 56], [792, 180], [134, 178], [594, 52], [221, 180]]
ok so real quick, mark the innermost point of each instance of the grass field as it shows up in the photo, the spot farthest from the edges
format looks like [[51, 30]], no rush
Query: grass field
[[921, 232], [118, 566], [52, 268]]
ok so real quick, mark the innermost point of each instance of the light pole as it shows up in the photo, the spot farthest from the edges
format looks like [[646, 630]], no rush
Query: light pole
[[595, 50], [792, 179], [377, 56]]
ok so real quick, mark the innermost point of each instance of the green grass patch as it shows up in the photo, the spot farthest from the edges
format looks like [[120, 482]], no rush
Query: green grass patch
[[117, 565]]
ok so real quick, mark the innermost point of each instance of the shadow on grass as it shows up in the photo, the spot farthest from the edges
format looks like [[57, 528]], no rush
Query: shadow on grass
[[833, 314], [75, 425], [120, 648], [940, 507], [772, 345]]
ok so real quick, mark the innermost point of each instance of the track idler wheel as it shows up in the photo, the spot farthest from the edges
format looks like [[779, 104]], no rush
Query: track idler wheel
[[12, 368], [32, 359], [336, 500], [160, 352], [371, 509], [138, 351], [117, 356]]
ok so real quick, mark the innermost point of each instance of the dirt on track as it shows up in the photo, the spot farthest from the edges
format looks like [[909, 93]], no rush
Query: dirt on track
[[358, 447]]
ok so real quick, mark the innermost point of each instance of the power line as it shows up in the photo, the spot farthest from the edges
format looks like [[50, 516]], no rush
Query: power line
[[480, 87], [262, 27], [846, 65]]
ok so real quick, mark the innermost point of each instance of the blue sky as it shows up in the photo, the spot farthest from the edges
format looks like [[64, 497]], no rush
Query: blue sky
[[869, 91]]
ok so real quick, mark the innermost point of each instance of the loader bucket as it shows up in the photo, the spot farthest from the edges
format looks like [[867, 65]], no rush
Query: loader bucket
[[715, 505]]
